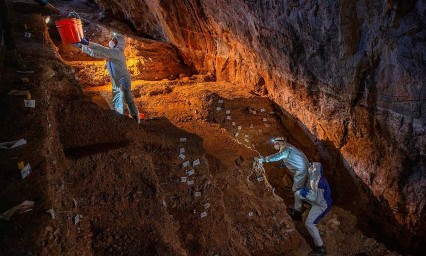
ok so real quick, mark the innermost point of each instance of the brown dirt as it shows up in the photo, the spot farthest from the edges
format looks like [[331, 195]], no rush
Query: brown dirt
[[125, 180]]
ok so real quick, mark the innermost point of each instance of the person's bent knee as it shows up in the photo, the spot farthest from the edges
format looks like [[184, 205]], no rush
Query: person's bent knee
[[309, 224]]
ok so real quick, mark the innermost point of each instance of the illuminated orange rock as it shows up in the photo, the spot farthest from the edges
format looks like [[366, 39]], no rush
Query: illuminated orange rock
[[352, 74]]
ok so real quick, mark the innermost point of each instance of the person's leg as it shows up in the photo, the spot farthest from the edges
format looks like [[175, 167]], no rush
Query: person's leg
[[315, 214], [298, 203], [296, 213], [126, 87], [117, 97], [311, 224]]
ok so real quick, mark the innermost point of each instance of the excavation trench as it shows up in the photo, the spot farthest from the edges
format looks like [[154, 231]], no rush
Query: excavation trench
[[124, 181], [215, 111]]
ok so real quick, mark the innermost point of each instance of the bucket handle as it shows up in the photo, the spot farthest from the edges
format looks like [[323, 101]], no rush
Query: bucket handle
[[74, 15]]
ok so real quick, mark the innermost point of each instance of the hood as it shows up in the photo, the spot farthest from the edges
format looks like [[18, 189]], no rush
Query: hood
[[121, 42], [318, 167], [315, 174]]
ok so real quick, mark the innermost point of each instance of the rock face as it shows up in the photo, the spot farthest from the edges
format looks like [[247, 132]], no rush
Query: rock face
[[350, 72]]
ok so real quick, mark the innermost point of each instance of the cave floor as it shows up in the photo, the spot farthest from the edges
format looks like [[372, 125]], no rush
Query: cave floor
[[234, 123]]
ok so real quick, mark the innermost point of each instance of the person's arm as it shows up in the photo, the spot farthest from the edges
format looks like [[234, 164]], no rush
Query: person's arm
[[48, 6], [42, 2], [312, 196], [278, 156], [98, 51]]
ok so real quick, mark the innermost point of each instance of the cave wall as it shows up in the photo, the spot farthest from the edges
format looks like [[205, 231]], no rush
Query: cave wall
[[352, 73]]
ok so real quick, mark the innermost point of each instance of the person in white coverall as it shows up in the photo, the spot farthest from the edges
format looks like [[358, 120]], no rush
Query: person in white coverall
[[317, 193], [116, 65], [295, 161]]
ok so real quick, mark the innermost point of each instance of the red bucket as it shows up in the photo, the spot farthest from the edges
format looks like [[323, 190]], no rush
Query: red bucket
[[70, 30]]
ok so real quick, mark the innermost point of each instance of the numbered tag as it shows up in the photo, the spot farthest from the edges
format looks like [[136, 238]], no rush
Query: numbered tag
[[29, 103], [196, 162], [26, 171]]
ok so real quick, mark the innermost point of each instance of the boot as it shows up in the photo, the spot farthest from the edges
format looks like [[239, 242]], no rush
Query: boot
[[296, 215], [319, 251], [136, 117]]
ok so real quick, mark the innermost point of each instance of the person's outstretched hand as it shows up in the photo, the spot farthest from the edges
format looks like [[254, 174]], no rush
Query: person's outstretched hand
[[259, 159], [52, 9]]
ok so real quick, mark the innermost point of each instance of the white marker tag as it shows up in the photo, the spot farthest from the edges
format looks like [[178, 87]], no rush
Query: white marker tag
[[262, 110], [250, 214], [246, 135], [29, 103], [182, 139], [236, 135], [228, 117], [183, 179], [228, 111], [186, 164], [251, 126], [181, 150], [26, 171], [265, 120], [260, 179], [206, 205], [239, 127], [52, 213], [182, 156], [190, 182], [203, 215], [254, 112], [190, 172], [197, 194], [220, 101], [196, 162], [218, 108], [76, 219]]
